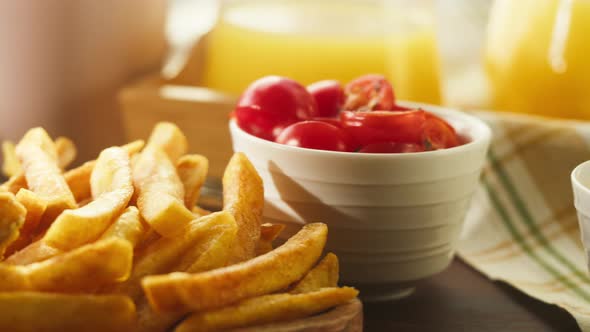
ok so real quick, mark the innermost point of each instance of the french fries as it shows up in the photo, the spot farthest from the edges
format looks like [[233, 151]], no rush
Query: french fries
[[267, 309], [12, 217], [323, 275], [84, 269], [78, 179], [80, 270], [39, 160], [217, 232], [111, 189], [165, 254], [51, 312], [65, 148], [268, 233], [35, 208], [160, 193], [35, 252], [119, 243], [11, 165], [128, 227], [170, 139], [261, 275], [243, 196], [14, 183], [192, 170], [66, 151]]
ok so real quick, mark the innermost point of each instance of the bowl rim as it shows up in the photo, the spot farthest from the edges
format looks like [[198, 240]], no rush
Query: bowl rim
[[482, 133], [580, 188]]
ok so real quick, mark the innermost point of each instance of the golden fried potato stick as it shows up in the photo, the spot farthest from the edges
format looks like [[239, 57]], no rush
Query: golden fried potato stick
[[268, 233], [324, 274], [159, 192], [128, 227], [14, 183], [243, 197], [35, 252], [78, 179], [199, 211], [50, 312], [210, 252], [192, 170], [170, 139], [268, 309], [111, 187], [35, 208], [160, 196], [264, 274], [74, 228], [169, 254], [81, 270], [12, 217], [10, 165], [66, 151], [84, 269], [38, 157]]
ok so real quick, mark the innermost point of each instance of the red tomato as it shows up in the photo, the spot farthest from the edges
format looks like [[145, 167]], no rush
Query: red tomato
[[329, 97], [332, 121], [369, 92], [272, 103], [438, 134], [314, 135], [384, 126], [392, 147]]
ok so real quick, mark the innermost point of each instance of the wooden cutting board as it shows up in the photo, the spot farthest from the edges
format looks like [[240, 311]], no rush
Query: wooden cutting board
[[345, 318]]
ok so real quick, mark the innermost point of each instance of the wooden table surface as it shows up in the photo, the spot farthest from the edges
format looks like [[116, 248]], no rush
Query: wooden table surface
[[462, 299]]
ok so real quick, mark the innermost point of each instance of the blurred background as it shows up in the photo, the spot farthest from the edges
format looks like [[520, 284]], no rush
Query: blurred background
[[104, 71]]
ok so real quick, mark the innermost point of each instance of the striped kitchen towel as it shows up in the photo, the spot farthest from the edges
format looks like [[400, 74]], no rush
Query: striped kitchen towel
[[522, 226]]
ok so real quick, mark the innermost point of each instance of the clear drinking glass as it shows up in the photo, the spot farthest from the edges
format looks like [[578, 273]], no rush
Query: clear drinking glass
[[537, 57], [310, 40]]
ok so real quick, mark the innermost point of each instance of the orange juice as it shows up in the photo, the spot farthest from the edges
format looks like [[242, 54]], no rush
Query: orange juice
[[537, 57], [311, 40], [413, 64]]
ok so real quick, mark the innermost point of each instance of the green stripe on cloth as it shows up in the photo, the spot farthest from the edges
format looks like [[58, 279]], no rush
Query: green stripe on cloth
[[506, 220], [528, 219]]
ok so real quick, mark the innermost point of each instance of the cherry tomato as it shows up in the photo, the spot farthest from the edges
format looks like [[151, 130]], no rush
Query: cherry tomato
[[314, 135], [329, 97], [397, 107], [272, 103], [392, 147], [369, 92], [332, 121], [384, 126], [438, 134]]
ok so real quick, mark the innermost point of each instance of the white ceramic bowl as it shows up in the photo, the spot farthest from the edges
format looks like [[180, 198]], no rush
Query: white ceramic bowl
[[581, 184], [393, 218]]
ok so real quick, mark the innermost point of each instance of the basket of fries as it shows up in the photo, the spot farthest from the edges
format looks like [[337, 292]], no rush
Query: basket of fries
[[119, 244]]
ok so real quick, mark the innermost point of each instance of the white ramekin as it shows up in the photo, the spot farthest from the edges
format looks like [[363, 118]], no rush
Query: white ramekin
[[393, 218]]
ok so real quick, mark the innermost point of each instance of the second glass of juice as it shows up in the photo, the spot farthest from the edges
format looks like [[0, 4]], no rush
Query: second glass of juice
[[537, 55]]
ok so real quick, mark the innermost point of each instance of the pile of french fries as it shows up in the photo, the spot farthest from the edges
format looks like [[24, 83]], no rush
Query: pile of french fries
[[119, 244]]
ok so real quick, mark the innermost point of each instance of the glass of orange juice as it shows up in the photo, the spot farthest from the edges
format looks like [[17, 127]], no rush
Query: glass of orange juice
[[413, 57], [537, 55], [311, 40]]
